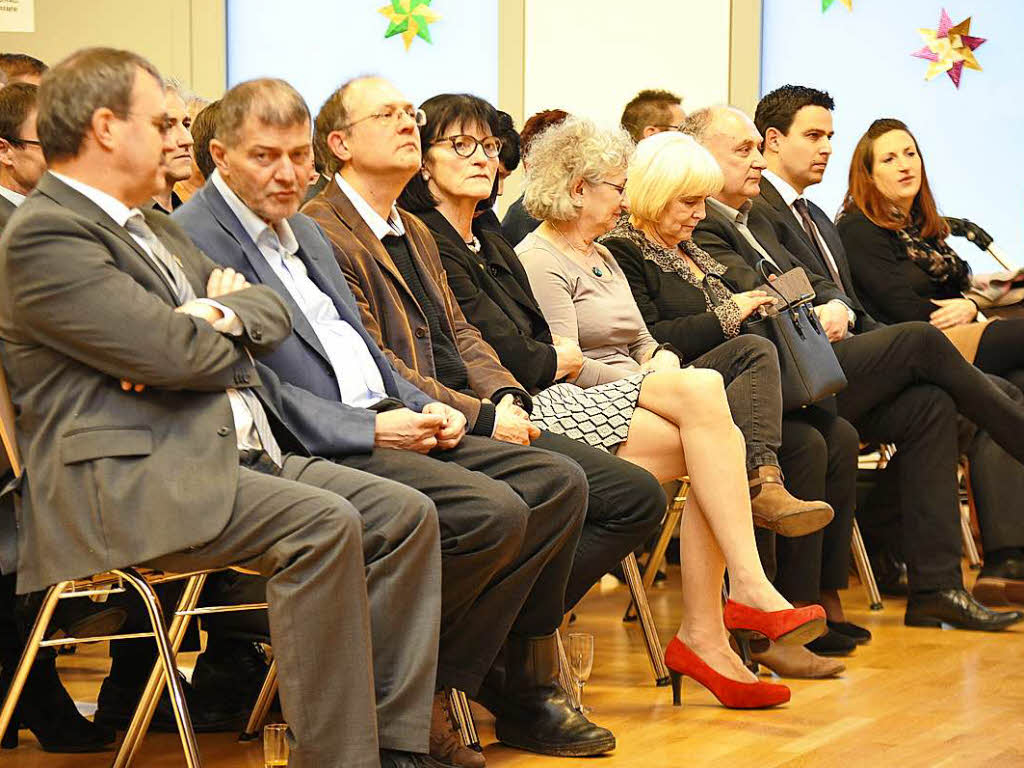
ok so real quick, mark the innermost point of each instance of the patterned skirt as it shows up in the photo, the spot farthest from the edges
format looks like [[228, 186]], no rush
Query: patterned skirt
[[599, 416]]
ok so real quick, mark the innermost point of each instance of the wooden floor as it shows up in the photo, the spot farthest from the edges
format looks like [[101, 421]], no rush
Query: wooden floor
[[913, 697]]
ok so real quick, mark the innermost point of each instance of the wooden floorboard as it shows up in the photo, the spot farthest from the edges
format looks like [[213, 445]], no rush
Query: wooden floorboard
[[913, 697]]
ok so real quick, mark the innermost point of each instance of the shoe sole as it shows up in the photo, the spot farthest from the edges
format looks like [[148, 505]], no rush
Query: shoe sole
[[585, 749], [791, 675], [993, 591], [799, 523], [930, 622]]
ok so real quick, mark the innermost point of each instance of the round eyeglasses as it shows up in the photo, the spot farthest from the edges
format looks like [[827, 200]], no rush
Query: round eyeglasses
[[465, 146]]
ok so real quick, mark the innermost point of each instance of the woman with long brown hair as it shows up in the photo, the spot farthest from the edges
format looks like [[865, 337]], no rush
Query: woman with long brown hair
[[902, 267]]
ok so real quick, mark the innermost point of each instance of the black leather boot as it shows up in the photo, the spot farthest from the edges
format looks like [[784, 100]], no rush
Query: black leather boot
[[536, 715]]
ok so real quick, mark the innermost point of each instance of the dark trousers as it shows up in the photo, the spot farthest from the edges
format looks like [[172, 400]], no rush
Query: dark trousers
[[906, 384], [510, 518], [819, 460], [624, 507], [750, 368]]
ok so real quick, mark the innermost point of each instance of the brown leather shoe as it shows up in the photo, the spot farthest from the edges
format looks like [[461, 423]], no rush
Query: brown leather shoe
[[797, 661], [445, 742], [775, 509]]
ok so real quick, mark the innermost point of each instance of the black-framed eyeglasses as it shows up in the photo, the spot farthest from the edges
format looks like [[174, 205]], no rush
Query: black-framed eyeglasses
[[391, 116], [465, 145], [21, 142], [620, 188], [670, 127]]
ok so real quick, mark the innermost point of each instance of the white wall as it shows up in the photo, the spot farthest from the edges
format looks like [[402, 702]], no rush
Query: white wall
[[590, 57]]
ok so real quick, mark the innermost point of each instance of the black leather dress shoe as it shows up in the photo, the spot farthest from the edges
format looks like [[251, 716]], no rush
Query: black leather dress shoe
[[859, 634], [1002, 584], [890, 573], [72, 618], [116, 705], [832, 643], [957, 608]]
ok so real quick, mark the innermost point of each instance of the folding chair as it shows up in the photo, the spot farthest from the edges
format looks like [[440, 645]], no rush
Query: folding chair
[[167, 640]]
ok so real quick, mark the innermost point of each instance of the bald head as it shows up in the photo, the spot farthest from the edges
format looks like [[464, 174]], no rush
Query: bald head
[[735, 143]]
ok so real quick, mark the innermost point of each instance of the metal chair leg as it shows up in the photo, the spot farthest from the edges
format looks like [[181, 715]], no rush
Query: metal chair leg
[[565, 679], [262, 706], [464, 719], [864, 570], [165, 671], [657, 556], [970, 547], [647, 625], [28, 656]]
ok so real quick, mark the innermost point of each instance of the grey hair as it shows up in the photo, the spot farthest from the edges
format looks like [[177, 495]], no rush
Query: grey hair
[[564, 153], [71, 92], [700, 124], [271, 101]]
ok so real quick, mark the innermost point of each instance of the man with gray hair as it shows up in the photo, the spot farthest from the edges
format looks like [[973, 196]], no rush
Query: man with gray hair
[[178, 161], [146, 432], [905, 382]]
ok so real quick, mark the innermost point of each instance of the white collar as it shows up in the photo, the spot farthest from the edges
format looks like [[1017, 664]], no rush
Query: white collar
[[378, 225], [738, 216], [111, 206], [784, 188], [253, 225], [14, 198]]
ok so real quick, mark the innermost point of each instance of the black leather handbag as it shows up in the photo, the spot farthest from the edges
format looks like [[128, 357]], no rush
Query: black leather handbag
[[810, 370]]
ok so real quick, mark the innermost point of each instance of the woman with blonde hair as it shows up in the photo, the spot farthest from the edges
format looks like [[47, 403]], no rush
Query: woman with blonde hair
[[651, 412], [685, 300]]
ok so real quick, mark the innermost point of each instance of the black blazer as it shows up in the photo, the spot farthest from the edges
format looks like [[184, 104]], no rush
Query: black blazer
[[494, 294], [719, 237], [517, 223], [894, 288], [675, 311], [795, 240]]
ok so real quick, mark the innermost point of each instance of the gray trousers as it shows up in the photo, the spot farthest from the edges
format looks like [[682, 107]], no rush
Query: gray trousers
[[354, 585]]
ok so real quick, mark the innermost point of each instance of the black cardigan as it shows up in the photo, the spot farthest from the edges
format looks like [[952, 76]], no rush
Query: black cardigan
[[494, 293], [891, 286], [674, 310]]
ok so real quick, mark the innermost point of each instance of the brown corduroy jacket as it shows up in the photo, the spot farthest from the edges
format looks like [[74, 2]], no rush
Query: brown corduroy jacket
[[392, 315]]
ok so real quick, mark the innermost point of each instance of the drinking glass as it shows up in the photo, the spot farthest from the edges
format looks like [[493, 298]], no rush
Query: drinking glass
[[275, 745], [581, 660]]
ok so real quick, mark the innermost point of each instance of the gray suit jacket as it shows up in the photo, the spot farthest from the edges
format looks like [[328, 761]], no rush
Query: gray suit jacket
[[114, 478], [7, 209]]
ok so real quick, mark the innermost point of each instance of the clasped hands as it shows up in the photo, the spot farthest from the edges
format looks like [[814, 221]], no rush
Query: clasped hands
[[221, 283], [438, 426]]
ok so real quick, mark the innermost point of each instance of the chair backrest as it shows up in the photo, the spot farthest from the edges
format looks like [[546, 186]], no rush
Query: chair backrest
[[10, 459]]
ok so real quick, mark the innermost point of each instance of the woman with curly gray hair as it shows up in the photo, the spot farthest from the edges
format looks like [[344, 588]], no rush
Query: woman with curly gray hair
[[668, 420]]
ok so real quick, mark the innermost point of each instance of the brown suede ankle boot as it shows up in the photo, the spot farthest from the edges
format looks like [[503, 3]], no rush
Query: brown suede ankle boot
[[445, 742], [775, 509]]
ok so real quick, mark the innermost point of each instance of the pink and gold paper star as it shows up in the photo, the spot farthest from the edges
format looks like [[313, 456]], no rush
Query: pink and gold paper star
[[826, 4], [949, 48], [409, 18]]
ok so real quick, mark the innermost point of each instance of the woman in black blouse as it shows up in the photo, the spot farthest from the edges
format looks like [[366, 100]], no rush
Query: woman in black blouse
[[902, 267], [669, 178]]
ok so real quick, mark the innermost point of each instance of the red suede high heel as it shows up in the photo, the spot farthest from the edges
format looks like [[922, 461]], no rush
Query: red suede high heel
[[795, 626], [734, 694]]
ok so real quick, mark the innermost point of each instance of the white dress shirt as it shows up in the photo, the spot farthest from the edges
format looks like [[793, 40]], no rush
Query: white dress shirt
[[15, 198], [359, 381], [380, 227], [245, 430], [790, 195]]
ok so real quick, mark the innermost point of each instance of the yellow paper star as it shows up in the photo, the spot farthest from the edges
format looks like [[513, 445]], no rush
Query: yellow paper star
[[409, 18], [949, 48]]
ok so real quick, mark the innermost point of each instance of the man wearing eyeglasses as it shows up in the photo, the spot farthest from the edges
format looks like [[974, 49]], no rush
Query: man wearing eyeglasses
[[651, 112], [511, 513], [21, 158]]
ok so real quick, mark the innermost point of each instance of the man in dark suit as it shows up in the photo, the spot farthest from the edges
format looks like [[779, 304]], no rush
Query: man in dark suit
[[21, 157], [511, 514], [905, 382], [796, 123], [144, 432]]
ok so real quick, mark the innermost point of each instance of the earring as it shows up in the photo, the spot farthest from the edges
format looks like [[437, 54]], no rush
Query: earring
[[424, 175]]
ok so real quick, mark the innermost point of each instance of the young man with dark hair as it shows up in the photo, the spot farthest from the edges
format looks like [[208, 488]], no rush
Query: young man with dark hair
[[21, 156], [652, 111], [796, 123]]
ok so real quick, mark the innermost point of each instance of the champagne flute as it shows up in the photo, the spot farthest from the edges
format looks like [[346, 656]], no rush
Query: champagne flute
[[581, 661]]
